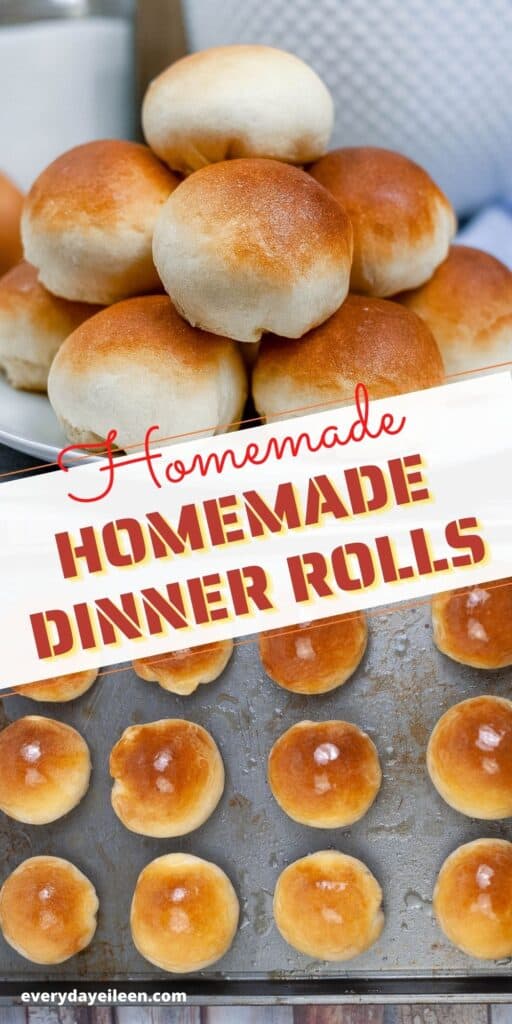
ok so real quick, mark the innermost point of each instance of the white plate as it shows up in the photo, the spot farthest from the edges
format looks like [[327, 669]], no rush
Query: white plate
[[28, 423]]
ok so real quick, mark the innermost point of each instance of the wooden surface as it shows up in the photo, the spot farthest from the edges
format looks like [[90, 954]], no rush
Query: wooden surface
[[260, 1015]]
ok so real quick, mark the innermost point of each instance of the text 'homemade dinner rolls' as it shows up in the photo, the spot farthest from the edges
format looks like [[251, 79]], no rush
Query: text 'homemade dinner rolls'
[[473, 625], [368, 340], [88, 221], [328, 906], [472, 900], [45, 768], [183, 671], [60, 688], [11, 202], [184, 913], [33, 325], [237, 101], [247, 246], [139, 363], [314, 657], [168, 777], [469, 757], [403, 224], [324, 774], [468, 306], [48, 910]]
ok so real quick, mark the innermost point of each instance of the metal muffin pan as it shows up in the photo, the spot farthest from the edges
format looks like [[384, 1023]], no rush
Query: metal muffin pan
[[401, 688]]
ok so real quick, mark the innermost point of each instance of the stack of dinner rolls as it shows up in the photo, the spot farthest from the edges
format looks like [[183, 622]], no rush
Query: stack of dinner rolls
[[156, 275], [153, 277]]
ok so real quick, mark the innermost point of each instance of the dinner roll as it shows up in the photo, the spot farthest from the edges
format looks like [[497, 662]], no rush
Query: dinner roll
[[11, 202], [247, 246], [184, 913], [88, 221], [324, 774], [60, 688], [48, 910], [45, 768], [33, 325], [402, 222], [472, 898], [183, 671], [469, 757], [468, 306], [137, 364], [372, 341], [168, 777], [237, 101], [473, 625], [314, 657], [328, 906]]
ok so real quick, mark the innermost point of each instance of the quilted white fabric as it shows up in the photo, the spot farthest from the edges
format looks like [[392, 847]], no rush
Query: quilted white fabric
[[431, 78]]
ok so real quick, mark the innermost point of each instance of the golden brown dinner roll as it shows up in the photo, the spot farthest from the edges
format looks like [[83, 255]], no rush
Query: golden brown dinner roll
[[11, 202], [472, 898], [473, 625], [137, 364], [48, 910], [33, 325], [324, 774], [60, 688], [169, 777], [247, 246], [403, 224], [328, 906], [469, 757], [314, 657], [367, 340], [184, 913], [237, 101], [183, 671], [45, 768], [88, 221], [468, 306]]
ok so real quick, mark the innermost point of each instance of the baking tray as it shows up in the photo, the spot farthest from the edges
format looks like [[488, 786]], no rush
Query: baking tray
[[402, 687]]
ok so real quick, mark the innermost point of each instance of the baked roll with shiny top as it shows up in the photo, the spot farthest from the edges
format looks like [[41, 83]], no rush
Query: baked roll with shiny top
[[183, 671], [315, 657], [469, 757], [373, 341], [403, 223], [184, 913], [328, 906], [472, 900], [11, 204], [168, 777], [45, 768], [59, 689], [324, 774], [48, 910], [473, 625]]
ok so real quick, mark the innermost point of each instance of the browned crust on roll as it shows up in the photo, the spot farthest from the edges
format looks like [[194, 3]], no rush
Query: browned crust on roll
[[472, 900], [473, 625], [183, 671], [11, 203], [316, 657]]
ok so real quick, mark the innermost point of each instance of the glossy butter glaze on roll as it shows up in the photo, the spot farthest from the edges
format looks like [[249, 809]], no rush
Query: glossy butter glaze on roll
[[168, 777], [183, 671], [373, 341], [329, 906], [11, 204], [184, 913], [469, 757], [248, 246], [467, 305], [403, 223], [45, 768], [473, 625], [472, 898], [324, 774], [315, 657], [48, 910], [59, 689]]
